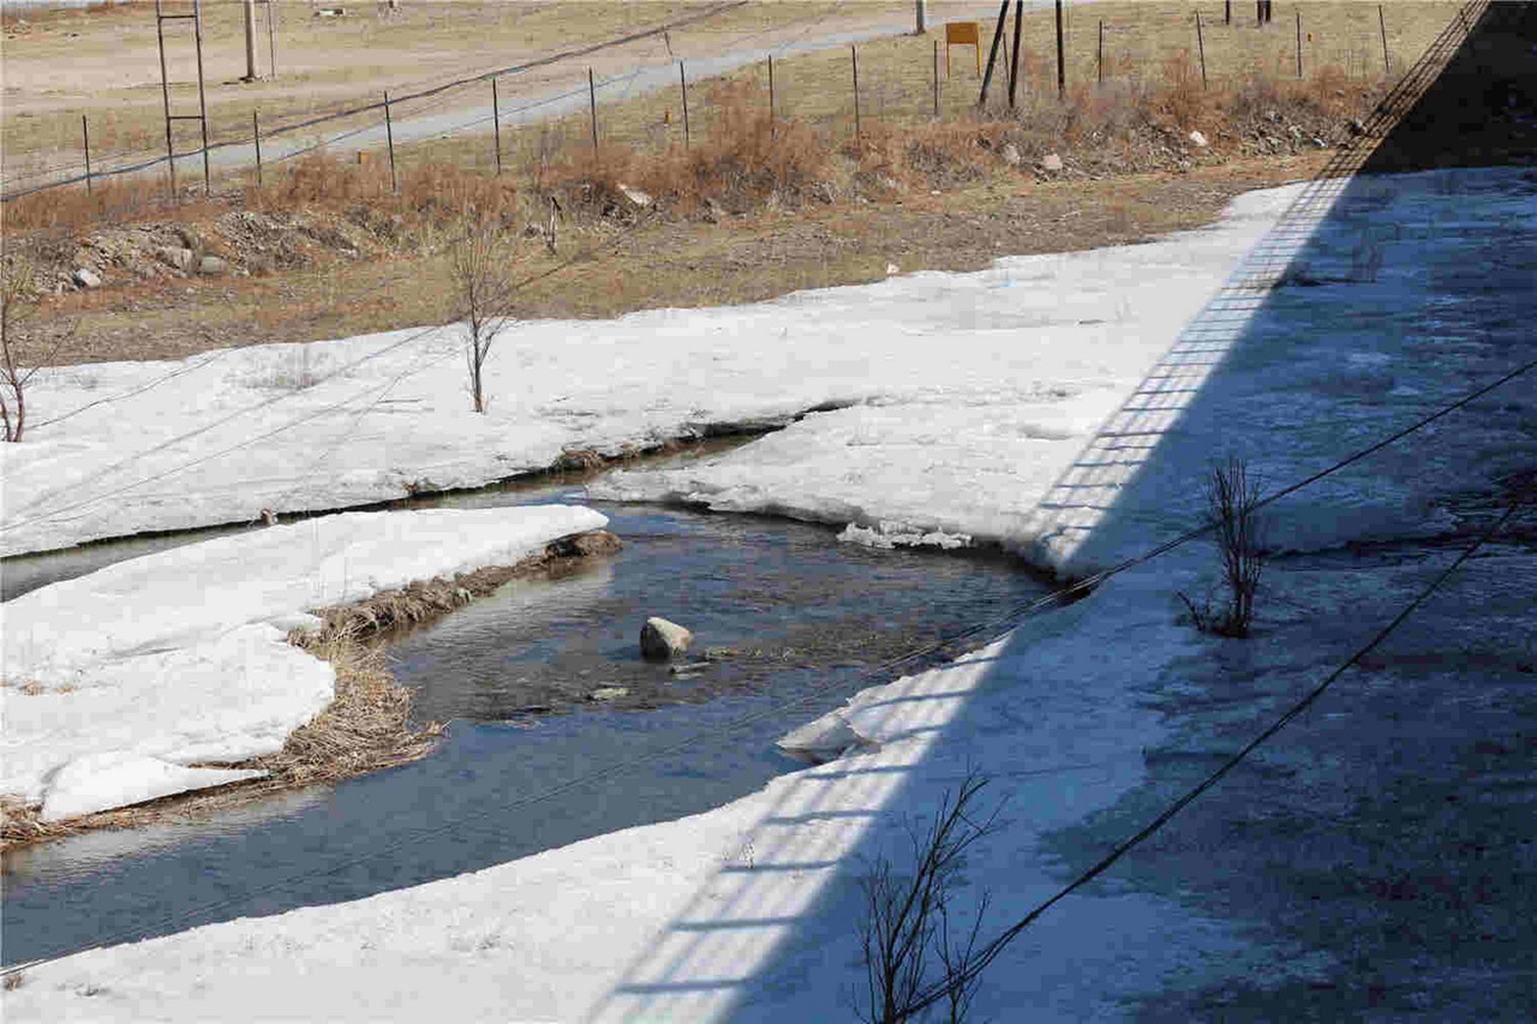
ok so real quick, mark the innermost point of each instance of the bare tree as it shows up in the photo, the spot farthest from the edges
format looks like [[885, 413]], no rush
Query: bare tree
[[1232, 505], [908, 917], [480, 263], [18, 346]]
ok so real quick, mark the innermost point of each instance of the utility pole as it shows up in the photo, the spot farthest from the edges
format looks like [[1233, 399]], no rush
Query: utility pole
[[250, 42], [923, 17]]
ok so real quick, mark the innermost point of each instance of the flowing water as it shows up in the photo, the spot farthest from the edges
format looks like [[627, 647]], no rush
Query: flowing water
[[543, 687]]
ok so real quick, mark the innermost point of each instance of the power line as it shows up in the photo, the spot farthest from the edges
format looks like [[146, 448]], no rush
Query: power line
[[882, 671], [991, 951]]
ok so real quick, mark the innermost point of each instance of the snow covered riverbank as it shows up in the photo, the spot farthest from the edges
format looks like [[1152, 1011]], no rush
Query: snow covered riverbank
[[119, 681], [751, 911], [1041, 347]]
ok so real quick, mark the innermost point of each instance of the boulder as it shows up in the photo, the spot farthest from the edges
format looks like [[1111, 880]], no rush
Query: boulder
[[85, 277], [212, 266], [636, 196], [1198, 140], [1010, 154], [661, 640], [1051, 162], [175, 256], [604, 693]]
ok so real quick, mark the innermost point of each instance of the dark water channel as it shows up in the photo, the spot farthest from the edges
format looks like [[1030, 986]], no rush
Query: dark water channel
[[790, 613]]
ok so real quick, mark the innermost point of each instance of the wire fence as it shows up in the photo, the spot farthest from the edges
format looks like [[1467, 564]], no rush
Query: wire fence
[[899, 79]]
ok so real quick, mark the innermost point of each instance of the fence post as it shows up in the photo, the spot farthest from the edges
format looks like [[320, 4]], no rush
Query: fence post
[[1227, 12], [592, 106], [1387, 63], [854, 55], [773, 125], [1101, 58], [256, 137], [85, 132], [936, 78], [683, 85], [1061, 59], [1200, 44], [389, 136], [496, 125], [272, 46], [1299, 44], [1019, 17]]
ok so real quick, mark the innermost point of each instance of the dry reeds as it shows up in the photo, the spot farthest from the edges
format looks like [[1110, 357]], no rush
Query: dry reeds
[[365, 728]]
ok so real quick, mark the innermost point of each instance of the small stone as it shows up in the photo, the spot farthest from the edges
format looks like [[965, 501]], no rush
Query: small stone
[[175, 256], [1010, 154], [892, 268], [212, 266], [713, 213], [1198, 140], [661, 639], [636, 196], [1051, 162], [608, 693], [1357, 128], [85, 277]]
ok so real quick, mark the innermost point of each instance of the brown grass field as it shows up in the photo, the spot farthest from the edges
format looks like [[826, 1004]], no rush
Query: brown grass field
[[757, 205]]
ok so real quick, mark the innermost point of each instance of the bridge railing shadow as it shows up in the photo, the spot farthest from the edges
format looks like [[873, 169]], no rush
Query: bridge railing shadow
[[734, 938]]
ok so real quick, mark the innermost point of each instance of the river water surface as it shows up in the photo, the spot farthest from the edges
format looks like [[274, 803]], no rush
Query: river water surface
[[792, 617]]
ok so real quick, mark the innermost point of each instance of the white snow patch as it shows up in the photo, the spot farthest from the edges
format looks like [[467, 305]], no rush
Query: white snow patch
[[181, 657]]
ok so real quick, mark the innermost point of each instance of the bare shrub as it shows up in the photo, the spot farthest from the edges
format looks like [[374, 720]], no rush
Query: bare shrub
[[25, 347], [480, 267], [908, 917], [1232, 513]]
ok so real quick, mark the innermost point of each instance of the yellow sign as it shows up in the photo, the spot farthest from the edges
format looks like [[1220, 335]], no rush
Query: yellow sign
[[963, 33]]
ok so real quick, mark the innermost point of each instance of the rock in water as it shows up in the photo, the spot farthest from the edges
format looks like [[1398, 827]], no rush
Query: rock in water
[[661, 640]]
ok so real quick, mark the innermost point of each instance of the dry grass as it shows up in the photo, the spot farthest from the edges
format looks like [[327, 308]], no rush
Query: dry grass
[[366, 728]]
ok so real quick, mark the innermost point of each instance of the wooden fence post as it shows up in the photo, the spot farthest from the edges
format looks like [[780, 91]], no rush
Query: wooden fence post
[[683, 85], [389, 137], [256, 139], [1387, 62], [854, 56], [936, 78], [773, 124], [496, 125], [1101, 51], [85, 132], [1200, 43], [592, 106], [1299, 44]]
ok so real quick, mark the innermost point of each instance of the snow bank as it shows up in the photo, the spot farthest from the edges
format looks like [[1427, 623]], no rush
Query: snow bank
[[119, 681], [1009, 368], [750, 911]]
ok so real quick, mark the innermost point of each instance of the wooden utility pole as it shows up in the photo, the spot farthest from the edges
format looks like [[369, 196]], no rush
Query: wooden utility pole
[[250, 41], [272, 45], [1019, 17], [922, 14], [1061, 59], [992, 54]]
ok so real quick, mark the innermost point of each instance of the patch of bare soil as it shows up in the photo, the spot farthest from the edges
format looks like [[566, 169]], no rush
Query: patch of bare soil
[[367, 727]]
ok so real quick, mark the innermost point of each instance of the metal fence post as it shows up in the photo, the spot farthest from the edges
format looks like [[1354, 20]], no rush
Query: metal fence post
[[85, 133], [389, 136]]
